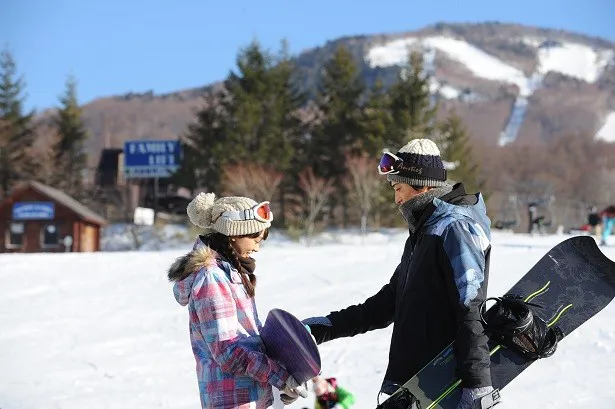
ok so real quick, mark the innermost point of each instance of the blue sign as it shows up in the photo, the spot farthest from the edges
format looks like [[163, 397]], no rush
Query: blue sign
[[148, 159], [33, 211]]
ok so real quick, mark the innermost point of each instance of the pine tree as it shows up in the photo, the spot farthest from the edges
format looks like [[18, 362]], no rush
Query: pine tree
[[17, 132], [282, 121], [340, 129], [411, 108], [247, 102], [70, 157], [339, 101], [286, 130], [203, 147], [456, 149], [377, 121], [263, 126]]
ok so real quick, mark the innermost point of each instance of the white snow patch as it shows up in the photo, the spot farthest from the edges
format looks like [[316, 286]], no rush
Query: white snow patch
[[445, 90], [607, 132], [481, 64], [574, 60], [449, 92], [391, 53]]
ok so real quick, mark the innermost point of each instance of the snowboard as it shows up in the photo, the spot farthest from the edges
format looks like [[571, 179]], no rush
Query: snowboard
[[288, 342], [572, 283]]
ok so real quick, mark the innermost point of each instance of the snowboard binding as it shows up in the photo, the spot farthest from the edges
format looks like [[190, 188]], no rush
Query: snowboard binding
[[512, 323], [402, 399]]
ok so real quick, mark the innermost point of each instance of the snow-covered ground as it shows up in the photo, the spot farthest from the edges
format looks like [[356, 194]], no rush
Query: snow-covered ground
[[102, 330]]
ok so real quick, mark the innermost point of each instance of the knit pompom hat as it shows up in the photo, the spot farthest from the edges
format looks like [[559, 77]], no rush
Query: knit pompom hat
[[420, 153], [206, 212]]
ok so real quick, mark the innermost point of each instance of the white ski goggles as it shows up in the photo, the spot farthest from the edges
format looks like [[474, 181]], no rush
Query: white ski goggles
[[261, 212]]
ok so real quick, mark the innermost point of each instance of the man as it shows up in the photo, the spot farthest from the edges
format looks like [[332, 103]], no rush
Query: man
[[435, 293]]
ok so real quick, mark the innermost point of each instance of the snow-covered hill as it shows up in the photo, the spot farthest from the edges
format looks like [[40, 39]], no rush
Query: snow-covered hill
[[574, 60]]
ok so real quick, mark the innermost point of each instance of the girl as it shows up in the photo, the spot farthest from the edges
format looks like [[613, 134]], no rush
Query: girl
[[216, 281]]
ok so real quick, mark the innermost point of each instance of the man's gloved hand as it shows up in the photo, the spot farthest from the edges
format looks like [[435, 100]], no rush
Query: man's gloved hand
[[292, 390], [320, 328], [479, 398]]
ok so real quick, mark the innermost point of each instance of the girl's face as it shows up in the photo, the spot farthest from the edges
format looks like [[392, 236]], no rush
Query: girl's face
[[246, 245]]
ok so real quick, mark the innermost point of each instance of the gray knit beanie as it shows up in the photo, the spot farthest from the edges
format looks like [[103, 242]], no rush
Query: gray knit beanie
[[420, 156], [206, 212]]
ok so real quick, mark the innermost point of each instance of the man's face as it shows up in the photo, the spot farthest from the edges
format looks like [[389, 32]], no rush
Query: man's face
[[404, 192]]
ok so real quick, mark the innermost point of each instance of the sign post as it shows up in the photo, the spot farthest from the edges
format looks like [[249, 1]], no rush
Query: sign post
[[151, 159]]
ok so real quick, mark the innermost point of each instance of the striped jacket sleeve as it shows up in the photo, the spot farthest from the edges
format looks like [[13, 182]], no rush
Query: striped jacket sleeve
[[218, 316]]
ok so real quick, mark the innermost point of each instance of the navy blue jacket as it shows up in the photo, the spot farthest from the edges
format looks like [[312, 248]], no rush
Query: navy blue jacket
[[434, 295]]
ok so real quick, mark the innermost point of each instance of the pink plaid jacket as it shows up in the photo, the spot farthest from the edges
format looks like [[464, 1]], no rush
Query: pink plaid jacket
[[232, 369]]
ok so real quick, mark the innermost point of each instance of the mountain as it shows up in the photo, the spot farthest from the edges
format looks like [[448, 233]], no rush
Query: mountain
[[510, 83]]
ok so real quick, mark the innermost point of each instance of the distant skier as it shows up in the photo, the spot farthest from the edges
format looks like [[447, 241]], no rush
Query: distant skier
[[608, 223], [536, 222], [216, 281], [593, 220], [434, 295], [329, 395]]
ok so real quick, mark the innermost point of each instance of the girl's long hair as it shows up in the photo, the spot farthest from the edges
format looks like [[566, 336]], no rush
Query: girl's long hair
[[221, 244]]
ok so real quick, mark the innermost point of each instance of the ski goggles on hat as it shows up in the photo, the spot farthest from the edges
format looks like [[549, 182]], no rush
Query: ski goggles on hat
[[391, 164], [261, 212]]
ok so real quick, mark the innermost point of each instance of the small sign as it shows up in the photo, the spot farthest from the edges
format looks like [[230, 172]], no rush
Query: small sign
[[151, 158], [144, 216], [33, 211]]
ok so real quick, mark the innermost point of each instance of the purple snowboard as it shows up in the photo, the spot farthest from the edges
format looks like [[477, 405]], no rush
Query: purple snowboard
[[288, 342]]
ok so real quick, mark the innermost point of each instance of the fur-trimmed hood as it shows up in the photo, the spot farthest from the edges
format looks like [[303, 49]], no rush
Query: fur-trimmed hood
[[184, 270]]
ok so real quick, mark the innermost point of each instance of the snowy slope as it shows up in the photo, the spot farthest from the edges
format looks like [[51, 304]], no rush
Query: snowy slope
[[574, 60], [394, 52], [607, 132], [103, 330], [480, 63], [571, 59]]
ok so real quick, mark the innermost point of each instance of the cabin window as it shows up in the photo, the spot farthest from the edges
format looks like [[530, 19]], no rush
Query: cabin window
[[50, 236], [15, 236]]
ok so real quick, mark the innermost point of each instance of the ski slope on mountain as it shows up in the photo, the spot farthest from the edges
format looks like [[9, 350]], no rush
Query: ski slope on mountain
[[574, 60], [477, 61], [607, 132], [103, 330], [571, 59]]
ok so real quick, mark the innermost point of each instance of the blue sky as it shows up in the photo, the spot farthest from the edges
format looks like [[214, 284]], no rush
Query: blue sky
[[113, 47]]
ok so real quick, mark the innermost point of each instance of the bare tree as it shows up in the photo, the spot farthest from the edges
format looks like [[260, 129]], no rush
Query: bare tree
[[362, 184], [317, 191], [251, 181]]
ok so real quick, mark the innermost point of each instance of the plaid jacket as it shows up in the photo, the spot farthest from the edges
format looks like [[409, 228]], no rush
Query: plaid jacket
[[232, 369]]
